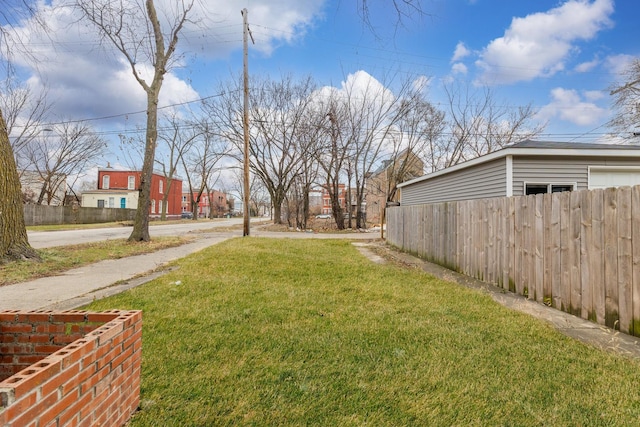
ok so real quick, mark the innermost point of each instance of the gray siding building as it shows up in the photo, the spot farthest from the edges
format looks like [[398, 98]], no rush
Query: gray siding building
[[528, 167]]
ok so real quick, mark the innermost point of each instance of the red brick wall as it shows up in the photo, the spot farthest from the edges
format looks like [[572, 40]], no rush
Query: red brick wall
[[120, 180], [71, 368]]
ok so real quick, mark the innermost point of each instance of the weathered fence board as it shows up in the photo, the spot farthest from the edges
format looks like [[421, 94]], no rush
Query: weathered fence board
[[596, 272], [565, 251], [539, 249], [611, 258], [586, 258], [548, 253], [575, 305], [625, 259], [576, 251], [635, 242], [556, 265]]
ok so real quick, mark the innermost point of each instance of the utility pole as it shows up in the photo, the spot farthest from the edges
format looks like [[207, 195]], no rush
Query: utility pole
[[245, 201]]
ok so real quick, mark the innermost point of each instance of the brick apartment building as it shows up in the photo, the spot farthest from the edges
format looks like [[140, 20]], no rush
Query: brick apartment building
[[120, 189]]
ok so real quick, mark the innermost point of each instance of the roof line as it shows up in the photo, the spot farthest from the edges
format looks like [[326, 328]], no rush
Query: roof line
[[529, 151]]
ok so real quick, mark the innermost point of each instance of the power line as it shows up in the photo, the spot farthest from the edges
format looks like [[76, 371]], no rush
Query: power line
[[132, 113]]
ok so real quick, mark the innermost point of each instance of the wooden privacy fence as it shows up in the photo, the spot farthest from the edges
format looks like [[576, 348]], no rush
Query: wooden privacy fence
[[577, 251]]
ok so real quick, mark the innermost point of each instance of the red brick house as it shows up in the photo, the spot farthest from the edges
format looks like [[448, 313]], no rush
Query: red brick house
[[120, 189], [214, 203], [326, 199]]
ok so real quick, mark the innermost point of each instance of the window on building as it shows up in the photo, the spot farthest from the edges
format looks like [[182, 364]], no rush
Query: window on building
[[184, 198], [159, 206], [123, 202], [153, 206], [101, 203], [561, 187], [112, 202], [536, 189], [105, 182], [160, 186], [547, 188], [131, 184]]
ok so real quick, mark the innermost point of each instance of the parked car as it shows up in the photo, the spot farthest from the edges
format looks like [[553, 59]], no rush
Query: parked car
[[323, 216], [187, 215]]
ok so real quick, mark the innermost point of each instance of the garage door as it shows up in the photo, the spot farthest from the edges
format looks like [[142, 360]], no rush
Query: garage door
[[613, 177]]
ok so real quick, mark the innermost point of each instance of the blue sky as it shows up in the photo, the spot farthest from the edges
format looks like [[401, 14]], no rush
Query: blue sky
[[560, 56]]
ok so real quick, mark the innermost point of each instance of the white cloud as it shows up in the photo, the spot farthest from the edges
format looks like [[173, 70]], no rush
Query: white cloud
[[459, 68], [587, 66], [539, 44], [358, 88], [361, 87], [87, 77], [594, 95], [619, 64], [460, 52], [568, 105]]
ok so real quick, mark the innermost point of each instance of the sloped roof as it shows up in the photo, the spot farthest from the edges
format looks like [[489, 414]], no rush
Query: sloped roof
[[555, 145], [540, 148]]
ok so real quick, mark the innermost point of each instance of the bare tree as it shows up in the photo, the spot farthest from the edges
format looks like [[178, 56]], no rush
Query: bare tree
[[200, 164], [478, 125], [626, 101], [131, 149], [138, 34], [372, 116], [24, 113], [402, 9], [258, 195], [334, 152], [417, 130], [67, 150], [310, 142], [276, 117], [177, 137]]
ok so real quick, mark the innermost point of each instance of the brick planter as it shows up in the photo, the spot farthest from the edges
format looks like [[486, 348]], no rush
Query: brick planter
[[70, 368]]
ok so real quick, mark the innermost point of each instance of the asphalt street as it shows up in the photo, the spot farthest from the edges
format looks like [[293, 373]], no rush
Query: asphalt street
[[47, 239]]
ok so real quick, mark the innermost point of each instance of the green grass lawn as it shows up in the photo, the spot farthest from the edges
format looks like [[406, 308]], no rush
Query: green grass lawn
[[308, 332]]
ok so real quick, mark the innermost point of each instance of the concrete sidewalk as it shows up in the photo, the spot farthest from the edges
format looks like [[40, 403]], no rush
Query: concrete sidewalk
[[82, 285]]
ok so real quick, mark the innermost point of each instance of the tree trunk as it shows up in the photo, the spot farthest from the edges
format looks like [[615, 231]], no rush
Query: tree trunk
[[140, 231], [338, 214], [277, 213], [43, 191], [278, 200], [165, 198], [195, 208], [14, 244], [305, 206]]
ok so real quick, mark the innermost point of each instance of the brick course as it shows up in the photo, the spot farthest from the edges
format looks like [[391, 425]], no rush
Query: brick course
[[53, 366]]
